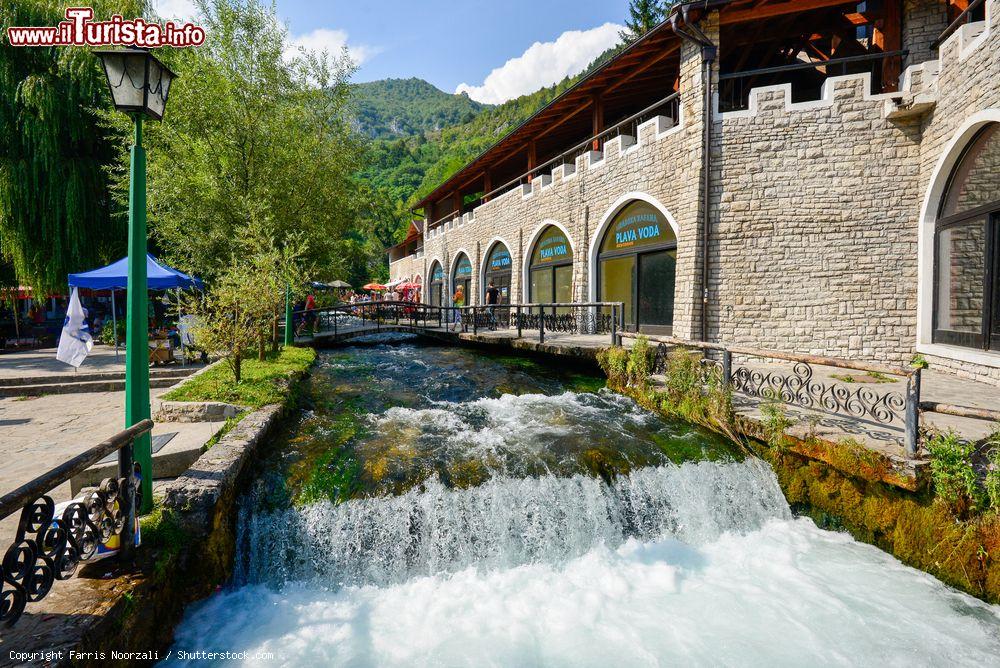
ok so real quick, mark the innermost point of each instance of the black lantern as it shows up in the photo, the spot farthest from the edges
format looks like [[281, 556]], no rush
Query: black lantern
[[139, 82]]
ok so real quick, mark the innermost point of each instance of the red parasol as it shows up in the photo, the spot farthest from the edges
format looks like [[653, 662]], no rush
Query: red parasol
[[373, 286]]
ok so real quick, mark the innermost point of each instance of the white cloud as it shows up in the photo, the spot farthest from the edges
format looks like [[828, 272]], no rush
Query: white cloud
[[544, 64], [332, 41], [175, 10]]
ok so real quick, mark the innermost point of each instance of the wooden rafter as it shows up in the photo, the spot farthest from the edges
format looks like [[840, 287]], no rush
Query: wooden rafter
[[727, 17]]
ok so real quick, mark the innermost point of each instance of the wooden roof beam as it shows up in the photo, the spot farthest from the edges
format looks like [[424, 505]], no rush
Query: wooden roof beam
[[770, 11]]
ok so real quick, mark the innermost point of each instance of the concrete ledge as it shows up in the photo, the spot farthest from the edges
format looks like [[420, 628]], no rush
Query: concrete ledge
[[197, 411], [195, 495]]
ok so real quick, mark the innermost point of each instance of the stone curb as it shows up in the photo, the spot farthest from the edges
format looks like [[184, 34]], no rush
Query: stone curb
[[194, 496]]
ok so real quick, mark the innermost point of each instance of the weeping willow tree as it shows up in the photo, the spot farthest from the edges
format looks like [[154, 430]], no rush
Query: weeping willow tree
[[56, 212]]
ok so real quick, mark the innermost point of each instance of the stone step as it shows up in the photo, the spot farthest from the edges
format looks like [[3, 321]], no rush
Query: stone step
[[114, 385], [63, 378]]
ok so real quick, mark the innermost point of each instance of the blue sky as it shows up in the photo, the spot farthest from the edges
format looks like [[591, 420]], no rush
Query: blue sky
[[454, 44]]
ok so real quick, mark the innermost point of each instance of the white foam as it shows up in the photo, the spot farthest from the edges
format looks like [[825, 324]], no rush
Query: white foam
[[786, 594]]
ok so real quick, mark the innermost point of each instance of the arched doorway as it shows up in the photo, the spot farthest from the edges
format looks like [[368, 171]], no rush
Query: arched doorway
[[637, 263], [550, 269], [967, 248], [435, 293], [461, 276], [497, 271]]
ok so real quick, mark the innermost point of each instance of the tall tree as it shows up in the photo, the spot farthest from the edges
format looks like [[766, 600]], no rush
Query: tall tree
[[253, 137], [56, 213], [643, 16]]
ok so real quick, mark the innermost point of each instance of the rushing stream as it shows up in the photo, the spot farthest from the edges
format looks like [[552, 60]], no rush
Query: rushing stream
[[437, 506]]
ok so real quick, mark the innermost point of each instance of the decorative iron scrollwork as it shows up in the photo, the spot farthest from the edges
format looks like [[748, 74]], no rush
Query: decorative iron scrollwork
[[49, 548], [800, 389]]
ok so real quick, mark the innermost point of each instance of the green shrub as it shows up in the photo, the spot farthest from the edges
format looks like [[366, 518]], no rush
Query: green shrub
[[640, 362], [775, 420], [952, 474], [107, 336], [991, 483], [614, 362]]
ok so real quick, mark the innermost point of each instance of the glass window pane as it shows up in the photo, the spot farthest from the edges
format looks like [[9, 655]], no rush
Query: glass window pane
[[976, 180], [961, 269], [563, 286], [618, 283], [656, 288], [541, 286]]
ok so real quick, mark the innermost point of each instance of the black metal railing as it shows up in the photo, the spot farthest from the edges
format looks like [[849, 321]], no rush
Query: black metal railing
[[50, 545], [800, 386], [735, 87], [585, 318], [976, 11]]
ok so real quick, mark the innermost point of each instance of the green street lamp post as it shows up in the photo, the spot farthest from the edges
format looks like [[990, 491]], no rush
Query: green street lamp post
[[289, 336], [139, 86]]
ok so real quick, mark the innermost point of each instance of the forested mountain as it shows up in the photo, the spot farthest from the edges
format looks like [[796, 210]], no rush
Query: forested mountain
[[405, 167], [401, 107]]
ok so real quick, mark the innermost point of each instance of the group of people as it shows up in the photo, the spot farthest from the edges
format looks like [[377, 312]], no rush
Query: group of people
[[493, 300]]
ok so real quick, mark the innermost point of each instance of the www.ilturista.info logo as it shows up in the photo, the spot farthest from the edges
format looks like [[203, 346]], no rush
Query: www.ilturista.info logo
[[79, 29]]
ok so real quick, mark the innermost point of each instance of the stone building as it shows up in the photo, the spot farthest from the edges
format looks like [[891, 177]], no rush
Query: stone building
[[843, 200]]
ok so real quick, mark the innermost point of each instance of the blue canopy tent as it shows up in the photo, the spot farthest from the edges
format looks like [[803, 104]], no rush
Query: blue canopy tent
[[115, 277]]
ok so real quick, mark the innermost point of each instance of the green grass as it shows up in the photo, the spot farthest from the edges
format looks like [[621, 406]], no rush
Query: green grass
[[263, 383], [226, 428]]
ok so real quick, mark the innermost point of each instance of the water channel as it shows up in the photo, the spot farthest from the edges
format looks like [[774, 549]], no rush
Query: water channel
[[439, 506]]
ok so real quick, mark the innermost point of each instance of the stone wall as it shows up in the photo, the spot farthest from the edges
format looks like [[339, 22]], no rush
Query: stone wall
[[812, 203]]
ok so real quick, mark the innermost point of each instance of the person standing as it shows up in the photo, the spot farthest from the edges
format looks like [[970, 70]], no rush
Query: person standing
[[459, 301], [492, 300]]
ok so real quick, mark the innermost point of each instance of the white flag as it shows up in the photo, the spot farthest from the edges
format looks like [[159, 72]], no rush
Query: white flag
[[75, 341]]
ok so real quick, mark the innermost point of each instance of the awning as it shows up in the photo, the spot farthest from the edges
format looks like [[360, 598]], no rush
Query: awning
[[115, 276]]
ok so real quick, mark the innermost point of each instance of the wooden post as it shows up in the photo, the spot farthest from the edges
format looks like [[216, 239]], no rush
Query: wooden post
[[911, 438], [517, 312], [475, 325], [541, 324], [532, 159], [598, 120], [487, 184], [727, 368], [126, 500], [887, 35], [614, 323]]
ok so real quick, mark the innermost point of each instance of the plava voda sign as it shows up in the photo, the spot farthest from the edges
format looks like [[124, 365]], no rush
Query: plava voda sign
[[638, 229], [500, 260], [553, 248]]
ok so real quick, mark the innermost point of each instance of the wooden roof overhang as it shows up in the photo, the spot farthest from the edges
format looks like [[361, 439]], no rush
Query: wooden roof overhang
[[617, 82]]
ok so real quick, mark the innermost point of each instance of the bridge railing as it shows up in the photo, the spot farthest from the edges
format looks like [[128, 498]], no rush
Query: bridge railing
[[538, 319], [51, 542]]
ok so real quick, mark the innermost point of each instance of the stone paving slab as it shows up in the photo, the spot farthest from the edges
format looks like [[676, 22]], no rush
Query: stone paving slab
[[43, 362]]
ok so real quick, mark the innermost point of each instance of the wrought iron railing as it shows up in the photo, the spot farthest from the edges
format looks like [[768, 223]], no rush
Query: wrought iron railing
[[50, 545], [800, 386], [734, 87], [516, 319]]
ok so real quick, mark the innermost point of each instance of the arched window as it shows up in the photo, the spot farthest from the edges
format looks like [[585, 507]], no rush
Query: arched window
[[551, 268], [436, 292], [636, 266], [497, 271], [461, 277], [967, 249]]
